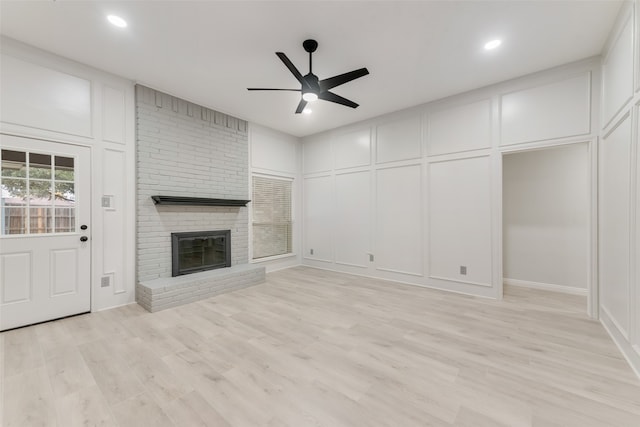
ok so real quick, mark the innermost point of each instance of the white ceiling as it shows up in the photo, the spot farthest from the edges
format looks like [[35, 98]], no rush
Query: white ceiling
[[209, 52]]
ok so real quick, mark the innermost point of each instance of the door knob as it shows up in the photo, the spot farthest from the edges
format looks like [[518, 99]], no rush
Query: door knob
[[83, 227], [84, 238]]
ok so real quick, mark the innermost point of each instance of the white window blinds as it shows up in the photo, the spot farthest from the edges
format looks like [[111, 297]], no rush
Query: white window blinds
[[271, 205]]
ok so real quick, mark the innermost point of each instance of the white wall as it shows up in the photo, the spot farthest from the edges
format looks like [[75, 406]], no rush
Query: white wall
[[415, 196], [545, 218], [277, 154], [619, 185], [51, 98]]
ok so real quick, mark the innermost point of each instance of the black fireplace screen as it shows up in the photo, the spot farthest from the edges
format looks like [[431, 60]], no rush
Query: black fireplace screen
[[200, 251]]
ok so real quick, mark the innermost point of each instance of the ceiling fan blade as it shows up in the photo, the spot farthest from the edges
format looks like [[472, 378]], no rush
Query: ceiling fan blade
[[301, 106], [291, 67], [266, 88], [340, 79], [332, 97]]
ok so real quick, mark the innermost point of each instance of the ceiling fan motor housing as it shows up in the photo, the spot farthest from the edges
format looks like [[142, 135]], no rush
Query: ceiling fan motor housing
[[312, 83]]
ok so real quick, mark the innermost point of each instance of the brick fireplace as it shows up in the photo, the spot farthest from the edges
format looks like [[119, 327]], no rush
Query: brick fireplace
[[186, 150]]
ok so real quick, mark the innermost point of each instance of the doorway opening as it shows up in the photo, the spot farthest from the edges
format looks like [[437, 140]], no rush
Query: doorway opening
[[546, 219]]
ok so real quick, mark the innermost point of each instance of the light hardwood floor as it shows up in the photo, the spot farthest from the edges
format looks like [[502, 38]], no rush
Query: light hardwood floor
[[316, 348]]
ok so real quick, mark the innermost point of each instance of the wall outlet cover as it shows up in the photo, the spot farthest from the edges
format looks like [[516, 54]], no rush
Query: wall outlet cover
[[106, 201]]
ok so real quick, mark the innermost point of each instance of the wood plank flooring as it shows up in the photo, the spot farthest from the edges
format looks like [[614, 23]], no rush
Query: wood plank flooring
[[317, 348]]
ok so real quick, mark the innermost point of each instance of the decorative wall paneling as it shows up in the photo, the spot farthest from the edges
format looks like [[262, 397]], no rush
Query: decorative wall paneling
[[318, 211], [437, 170], [637, 44], [316, 155], [551, 111], [615, 172], [399, 220], [619, 208], [635, 260], [113, 115], [445, 136], [399, 139], [114, 227], [617, 70], [460, 221], [38, 97], [353, 208], [54, 99], [352, 149], [275, 154]]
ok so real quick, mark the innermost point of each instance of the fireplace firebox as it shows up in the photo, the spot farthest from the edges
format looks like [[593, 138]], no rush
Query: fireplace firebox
[[200, 251]]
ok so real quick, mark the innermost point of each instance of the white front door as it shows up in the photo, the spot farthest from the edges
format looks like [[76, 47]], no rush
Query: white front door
[[45, 245]]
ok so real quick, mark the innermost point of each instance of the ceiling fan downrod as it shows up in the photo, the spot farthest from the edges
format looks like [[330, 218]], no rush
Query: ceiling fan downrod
[[310, 46]]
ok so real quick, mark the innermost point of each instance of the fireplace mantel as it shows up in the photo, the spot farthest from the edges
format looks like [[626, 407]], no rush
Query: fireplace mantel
[[197, 201]]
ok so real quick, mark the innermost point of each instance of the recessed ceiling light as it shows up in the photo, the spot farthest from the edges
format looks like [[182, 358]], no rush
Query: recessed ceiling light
[[492, 44], [117, 21], [307, 111]]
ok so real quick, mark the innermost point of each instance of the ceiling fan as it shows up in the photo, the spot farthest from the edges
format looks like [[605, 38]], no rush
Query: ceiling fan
[[311, 87]]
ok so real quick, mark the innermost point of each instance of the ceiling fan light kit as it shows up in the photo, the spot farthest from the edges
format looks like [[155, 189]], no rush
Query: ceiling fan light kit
[[313, 88]]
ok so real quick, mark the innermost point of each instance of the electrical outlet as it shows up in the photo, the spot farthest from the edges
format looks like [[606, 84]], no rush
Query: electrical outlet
[[105, 281], [463, 270], [370, 257], [311, 251], [106, 201]]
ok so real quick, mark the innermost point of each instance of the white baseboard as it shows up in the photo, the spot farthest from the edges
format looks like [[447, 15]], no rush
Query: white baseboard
[[546, 287], [386, 279], [114, 306], [630, 352]]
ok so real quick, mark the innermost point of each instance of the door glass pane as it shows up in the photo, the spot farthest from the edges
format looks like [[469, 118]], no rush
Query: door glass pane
[[64, 168], [65, 211], [13, 188], [65, 219], [39, 190], [14, 163], [40, 220], [14, 220], [39, 166], [65, 193]]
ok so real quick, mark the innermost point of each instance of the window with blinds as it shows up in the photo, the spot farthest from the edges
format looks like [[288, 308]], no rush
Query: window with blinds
[[271, 205]]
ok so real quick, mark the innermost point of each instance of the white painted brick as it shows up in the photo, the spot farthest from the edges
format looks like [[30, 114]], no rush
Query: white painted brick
[[181, 154]]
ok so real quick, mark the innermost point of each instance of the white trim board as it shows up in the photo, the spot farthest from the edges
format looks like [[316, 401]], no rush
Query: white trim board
[[546, 286], [629, 351]]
